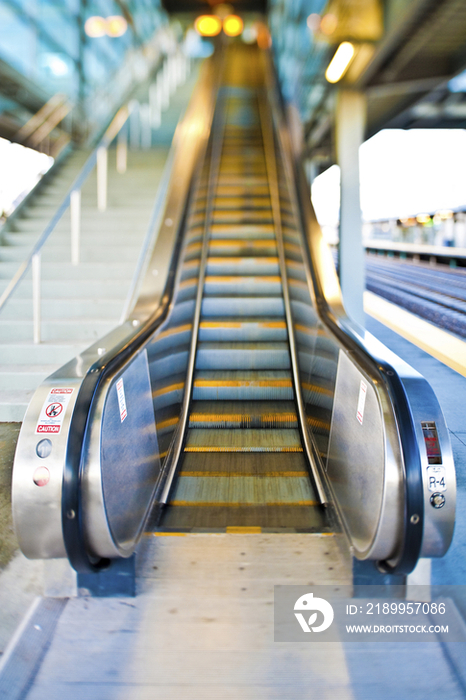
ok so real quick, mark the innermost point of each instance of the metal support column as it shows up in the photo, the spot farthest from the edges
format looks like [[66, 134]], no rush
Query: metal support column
[[349, 131]]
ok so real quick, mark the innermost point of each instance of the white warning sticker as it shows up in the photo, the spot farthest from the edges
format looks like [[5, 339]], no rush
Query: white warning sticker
[[361, 401], [121, 399], [53, 411]]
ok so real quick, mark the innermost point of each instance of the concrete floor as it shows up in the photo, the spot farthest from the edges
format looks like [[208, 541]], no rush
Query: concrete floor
[[8, 437]]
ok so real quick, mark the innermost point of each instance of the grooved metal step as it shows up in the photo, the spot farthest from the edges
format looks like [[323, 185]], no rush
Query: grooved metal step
[[243, 330], [245, 440], [242, 356], [266, 385]]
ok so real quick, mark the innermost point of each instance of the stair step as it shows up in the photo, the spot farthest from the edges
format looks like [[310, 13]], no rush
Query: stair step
[[74, 289], [239, 285], [86, 330], [246, 440], [43, 353], [62, 308], [242, 414], [13, 405], [265, 385], [56, 253], [63, 238], [242, 266], [242, 306], [242, 356], [23, 377], [248, 490], [226, 330], [64, 270]]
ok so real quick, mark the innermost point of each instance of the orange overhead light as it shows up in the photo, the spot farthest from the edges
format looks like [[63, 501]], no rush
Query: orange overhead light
[[233, 25], [328, 24], [116, 25], [208, 25], [95, 27], [264, 40]]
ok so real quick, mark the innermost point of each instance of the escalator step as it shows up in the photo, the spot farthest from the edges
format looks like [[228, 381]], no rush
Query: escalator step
[[242, 414], [246, 440], [258, 202], [237, 386], [242, 356], [243, 216], [240, 232], [264, 285], [242, 463], [224, 330], [242, 266], [219, 517], [244, 490], [242, 306]]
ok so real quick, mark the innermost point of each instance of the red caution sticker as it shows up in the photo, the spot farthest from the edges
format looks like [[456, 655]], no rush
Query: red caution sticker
[[361, 401], [53, 411], [121, 399]]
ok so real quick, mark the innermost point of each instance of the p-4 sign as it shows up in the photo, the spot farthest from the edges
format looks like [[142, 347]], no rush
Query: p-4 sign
[[53, 411]]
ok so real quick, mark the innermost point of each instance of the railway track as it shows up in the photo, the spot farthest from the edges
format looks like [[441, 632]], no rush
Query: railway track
[[439, 296]]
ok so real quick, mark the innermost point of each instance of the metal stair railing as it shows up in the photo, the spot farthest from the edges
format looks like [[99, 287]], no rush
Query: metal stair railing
[[72, 200], [169, 76]]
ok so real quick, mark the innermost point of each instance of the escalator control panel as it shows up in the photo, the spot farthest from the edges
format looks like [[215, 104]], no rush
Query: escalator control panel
[[435, 470]]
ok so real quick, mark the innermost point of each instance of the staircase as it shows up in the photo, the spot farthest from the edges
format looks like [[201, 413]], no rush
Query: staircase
[[79, 303]]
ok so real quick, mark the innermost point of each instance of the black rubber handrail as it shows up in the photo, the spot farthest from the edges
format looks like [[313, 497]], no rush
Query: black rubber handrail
[[348, 334]]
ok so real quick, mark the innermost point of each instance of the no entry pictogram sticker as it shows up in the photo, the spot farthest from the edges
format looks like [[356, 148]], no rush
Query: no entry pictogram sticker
[[53, 411]]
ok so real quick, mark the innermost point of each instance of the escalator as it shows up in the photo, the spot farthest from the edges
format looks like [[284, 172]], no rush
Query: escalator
[[238, 396], [243, 462]]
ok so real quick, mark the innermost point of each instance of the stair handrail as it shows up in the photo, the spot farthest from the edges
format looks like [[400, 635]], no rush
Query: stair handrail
[[37, 130], [72, 200], [167, 80]]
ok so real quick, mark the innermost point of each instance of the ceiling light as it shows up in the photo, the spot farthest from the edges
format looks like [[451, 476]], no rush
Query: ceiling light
[[340, 62], [208, 25], [95, 27], [116, 25], [233, 25]]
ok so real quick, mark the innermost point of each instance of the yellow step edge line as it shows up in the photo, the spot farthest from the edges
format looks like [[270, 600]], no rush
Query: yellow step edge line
[[228, 448], [435, 341], [174, 330], [191, 282], [198, 475], [258, 261], [166, 534], [271, 383], [243, 530], [220, 324], [241, 242], [167, 423], [316, 389], [237, 417], [240, 324], [213, 279], [310, 331], [223, 504], [317, 423], [168, 389]]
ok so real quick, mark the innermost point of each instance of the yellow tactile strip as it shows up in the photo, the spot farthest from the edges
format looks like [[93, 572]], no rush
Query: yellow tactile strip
[[442, 345], [238, 504]]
